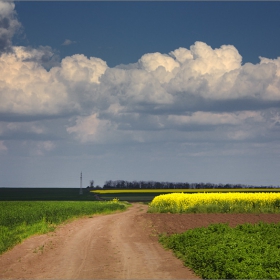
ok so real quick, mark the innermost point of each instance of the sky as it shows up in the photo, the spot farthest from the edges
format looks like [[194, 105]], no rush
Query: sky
[[185, 91]]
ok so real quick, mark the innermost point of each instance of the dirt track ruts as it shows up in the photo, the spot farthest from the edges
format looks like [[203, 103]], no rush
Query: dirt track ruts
[[116, 246]]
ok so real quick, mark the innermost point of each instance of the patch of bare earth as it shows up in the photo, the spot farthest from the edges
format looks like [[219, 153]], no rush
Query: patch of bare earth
[[177, 223], [116, 246]]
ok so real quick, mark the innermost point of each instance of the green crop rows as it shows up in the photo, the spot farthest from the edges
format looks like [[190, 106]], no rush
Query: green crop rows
[[221, 252], [19, 220]]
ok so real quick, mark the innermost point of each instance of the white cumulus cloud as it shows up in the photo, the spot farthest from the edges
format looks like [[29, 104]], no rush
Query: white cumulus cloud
[[184, 88], [90, 129], [68, 42], [8, 25], [43, 147]]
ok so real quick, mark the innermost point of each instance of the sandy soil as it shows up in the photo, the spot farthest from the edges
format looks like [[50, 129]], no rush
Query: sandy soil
[[116, 246]]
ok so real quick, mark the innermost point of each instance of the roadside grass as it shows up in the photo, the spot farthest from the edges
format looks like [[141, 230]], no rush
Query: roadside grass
[[221, 252], [21, 219]]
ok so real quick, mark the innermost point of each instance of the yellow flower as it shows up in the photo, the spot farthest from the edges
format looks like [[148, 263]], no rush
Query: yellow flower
[[235, 202]]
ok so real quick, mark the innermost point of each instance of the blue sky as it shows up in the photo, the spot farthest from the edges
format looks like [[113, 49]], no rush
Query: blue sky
[[121, 32], [167, 91]]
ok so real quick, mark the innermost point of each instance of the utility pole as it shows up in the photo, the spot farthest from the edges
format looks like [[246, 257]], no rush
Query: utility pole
[[81, 183]]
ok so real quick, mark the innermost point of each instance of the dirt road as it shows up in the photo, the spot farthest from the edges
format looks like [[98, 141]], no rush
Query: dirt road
[[116, 246]]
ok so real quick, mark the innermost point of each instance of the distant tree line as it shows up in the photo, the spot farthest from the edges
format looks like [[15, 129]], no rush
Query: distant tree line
[[122, 184], [91, 185]]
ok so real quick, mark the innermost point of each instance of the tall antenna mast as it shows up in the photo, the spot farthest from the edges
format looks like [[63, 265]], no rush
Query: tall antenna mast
[[81, 183]]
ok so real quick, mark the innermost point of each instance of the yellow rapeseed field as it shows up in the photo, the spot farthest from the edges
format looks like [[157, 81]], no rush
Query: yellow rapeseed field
[[262, 202]]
